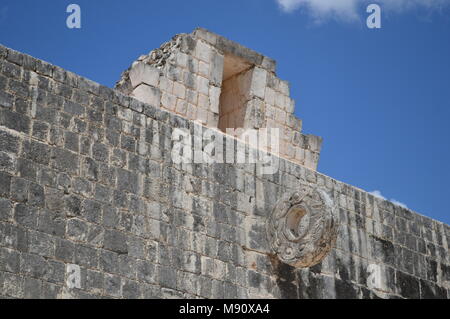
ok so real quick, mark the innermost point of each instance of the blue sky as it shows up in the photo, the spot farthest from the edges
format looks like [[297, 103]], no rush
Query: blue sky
[[379, 98]]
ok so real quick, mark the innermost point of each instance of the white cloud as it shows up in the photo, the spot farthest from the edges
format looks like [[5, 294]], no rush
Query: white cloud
[[396, 202], [378, 194], [321, 9], [351, 9]]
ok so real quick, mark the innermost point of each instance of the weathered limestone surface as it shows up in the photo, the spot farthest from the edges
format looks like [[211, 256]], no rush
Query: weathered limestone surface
[[92, 206]]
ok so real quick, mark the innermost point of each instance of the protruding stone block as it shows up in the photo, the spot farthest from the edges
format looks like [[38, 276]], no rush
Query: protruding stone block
[[314, 143], [148, 94], [203, 51], [269, 64], [214, 98], [259, 82], [216, 69], [142, 73]]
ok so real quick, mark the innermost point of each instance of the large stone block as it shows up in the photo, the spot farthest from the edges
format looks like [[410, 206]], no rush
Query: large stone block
[[259, 82], [203, 51], [214, 98], [148, 94], [216, 69], [142, 73], [116, 241]]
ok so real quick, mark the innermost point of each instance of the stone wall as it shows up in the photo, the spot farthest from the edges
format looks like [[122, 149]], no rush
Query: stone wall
[[92, 206]]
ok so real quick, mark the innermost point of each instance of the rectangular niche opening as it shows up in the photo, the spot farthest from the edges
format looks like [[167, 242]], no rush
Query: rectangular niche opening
[[234, 94]]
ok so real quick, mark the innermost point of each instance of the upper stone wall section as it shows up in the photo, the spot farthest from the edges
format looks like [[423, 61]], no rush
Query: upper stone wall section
[[221, 84]]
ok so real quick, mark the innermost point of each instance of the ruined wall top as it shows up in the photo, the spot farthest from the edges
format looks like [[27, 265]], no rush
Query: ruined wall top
[[221, 84]]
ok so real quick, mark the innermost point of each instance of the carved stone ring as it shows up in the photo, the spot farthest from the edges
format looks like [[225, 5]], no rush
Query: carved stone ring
[[302, 228]]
